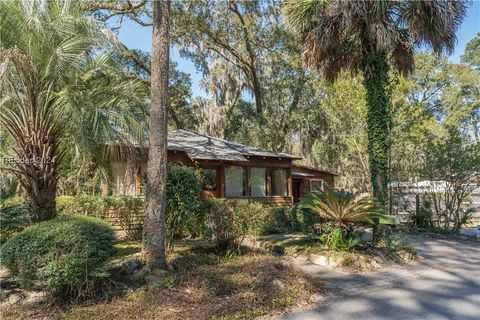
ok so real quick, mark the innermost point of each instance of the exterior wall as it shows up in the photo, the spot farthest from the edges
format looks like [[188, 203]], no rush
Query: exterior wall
[[328, 178], [124, 178], [273, 200], [306, 182], [125, 187]]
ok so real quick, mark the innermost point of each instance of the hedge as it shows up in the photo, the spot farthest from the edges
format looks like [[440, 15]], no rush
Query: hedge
[[66, 255]]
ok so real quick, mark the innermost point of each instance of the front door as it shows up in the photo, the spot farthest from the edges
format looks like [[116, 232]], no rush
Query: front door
[[296, 189]]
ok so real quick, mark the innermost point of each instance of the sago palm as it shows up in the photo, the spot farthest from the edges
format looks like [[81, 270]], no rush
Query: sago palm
[[343, 209], [59, 90], [368, 37]]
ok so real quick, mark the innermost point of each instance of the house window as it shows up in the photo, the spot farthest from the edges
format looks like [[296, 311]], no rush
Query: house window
[[279, 182], [234, 181], [316, 185], [209, 177], [257, 182]]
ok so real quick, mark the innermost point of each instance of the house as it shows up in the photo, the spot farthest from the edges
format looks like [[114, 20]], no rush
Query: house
[[230, 170]]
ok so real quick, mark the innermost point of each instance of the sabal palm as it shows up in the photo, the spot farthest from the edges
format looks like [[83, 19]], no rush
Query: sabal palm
[[342, 208], [367, 37], [58, 89]]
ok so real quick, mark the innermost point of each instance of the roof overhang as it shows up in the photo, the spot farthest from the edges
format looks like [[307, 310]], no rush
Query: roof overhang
[[302, 175], [301, 166]]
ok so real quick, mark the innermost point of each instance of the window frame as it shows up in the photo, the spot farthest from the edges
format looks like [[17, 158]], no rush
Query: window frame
[[271, 182], [249, 174], [317, 180], [244, 183]]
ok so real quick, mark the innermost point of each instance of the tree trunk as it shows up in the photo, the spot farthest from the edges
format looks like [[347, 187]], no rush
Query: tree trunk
[[378, 119], [154, 247], [41, 198], [37, 159]]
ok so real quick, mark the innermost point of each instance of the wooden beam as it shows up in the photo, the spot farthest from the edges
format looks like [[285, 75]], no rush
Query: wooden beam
[[289, 182], [138, 180], [221, 187]]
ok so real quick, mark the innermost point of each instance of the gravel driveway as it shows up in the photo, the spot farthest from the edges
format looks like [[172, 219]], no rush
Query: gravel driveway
[[443, 284]]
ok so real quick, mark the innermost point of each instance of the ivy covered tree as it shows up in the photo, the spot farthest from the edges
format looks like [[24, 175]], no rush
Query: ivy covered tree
[[369, 37]]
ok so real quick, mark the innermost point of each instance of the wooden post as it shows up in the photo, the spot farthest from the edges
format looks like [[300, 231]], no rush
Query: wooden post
[[138, 180], [221, 186], [289, 182], [246, 175], [269, 182]]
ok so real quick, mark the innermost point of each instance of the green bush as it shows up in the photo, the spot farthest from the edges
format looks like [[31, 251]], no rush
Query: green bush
[[184, 216], [279, 220], [92, 206], [126, 211], [67, 255], [15, 215], [394, 244], [304, 219], [229, 221], [340, 240]]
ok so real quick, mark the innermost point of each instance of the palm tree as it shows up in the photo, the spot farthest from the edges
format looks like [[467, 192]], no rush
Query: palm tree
[[58, 88], [155, 244], [368, 37]]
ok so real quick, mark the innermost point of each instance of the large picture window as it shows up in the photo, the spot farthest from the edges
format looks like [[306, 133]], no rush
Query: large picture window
[[257, 182], [279, 182], [234, 181]]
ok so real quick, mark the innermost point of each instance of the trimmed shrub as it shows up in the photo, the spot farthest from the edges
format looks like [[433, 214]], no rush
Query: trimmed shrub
[[92, 206], [67, 255], [183, 204], [126, 212], [279, 220], [228, 221]]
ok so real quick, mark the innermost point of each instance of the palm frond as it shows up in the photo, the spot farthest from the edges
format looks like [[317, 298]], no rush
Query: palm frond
[[340, 35], [343, 208]]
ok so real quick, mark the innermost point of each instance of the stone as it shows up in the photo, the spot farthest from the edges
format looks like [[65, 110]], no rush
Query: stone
[[406, 256], [130, 266], [34, 298], [14, 299], [138, 274], [159, 272], [302, 256], [381, 256], [319, 259], [360, 263], [367, 235], [156, 275], [277, 249], [378, 259], [375, 265], [277, 282], [339, 262]]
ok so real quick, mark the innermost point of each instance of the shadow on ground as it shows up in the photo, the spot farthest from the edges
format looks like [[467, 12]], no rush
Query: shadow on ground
[[443, 284]]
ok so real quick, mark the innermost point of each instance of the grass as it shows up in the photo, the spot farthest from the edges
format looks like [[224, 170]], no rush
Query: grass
[[127, 248], [205, 285]]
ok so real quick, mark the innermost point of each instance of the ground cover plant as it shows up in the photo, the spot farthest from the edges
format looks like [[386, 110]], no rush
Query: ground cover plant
[[206, 284]]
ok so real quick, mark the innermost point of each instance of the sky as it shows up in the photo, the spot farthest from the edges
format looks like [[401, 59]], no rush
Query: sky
[[135, 36]]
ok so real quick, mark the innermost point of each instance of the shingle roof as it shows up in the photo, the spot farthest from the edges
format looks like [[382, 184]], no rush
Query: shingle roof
[[199, 146]]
